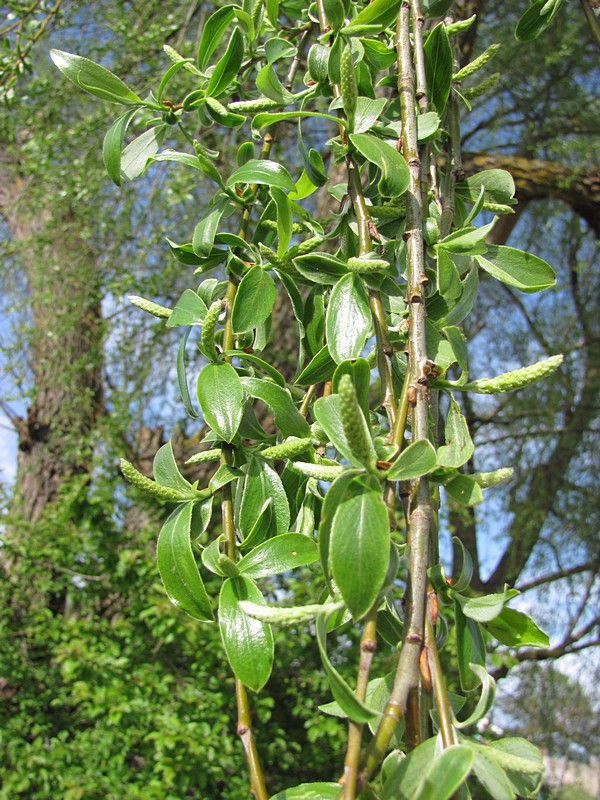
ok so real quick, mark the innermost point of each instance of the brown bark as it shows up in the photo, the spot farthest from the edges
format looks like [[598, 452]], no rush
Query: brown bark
[[62, 347]]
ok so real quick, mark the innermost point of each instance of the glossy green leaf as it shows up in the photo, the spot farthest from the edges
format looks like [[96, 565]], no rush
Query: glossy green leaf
[[206, 229], [93, 78], [212, 33], [469, 240], [264, 171], [403, 781], [360, 373], [382, 13], [320, 368], [428, 125], [318, 59], [489, 773], [524, 271], [182, 377], [277, 48], [459, 446], [225, 474], [270, 118], [534, 21], [287, 417], [449, 285], [113, 144], [248, 642], [343, 694], [348, 318], [314, 320], [309, 791], [262, 484], [438, 67], [463, 579], [486, 699], [222, 115], [488, 606], [515, 629], [277, 555], [359, 550], [177, 566], [321, 268], [284, 219], [465, 490], [220, 395], [446, 774], [228, 66], [470, 288], [166, 472], [269, 84], [417, 459], [136, 155], [344, 486], [470, 648], [334, 11], [189, 310], [273, 373], [367, 113], [395, 175], [254, 300], [498, 186]]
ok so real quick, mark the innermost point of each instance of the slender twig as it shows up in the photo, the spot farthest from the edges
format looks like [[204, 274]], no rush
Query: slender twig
[[591, 19], [558, 575], [440, 693], [368, 643]]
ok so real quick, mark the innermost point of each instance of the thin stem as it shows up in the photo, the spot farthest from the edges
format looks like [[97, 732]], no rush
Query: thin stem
[[440, 694], [454, 168], [591, 19], [368, 644], [384, 355], [310, 393]]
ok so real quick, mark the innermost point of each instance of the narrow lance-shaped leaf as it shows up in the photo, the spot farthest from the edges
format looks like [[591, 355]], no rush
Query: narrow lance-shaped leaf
[[93, 78], [228, 66], [395, 175], [438, 67], [459, 445], [212, 33], [113, 144], [177, 566], [264, 171], [277, 555]]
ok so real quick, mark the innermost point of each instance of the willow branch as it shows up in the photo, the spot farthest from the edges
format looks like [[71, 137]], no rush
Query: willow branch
[[591, 19], [557, 576]]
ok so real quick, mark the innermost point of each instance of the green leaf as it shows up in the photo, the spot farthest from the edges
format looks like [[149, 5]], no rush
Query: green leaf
[[177, 566], [276, 49], [228, 66], [267, 118], [459, 446], [534, 21], [367, 113], [263, 485], [348, 318], [418, 459], [328, 413], [136, 155], [489, 773], [321, 268], [351, 705], [514, 629], [220, 395], [113, 144], [470, 648], [224, 475], [524, 271], [428, 125], [359, 550], [334, 11], [382, 13], [166, 471], [212, 33], [93, 78], [488, 606], [269, 84], [403, 782], [189, 310], [486, 699], [273, 373], [277, 555], [222, 115], [469, 240], [284, 220], [522, 763], [309, 791], [320, 368], [254, 300], [343, 486], [446, 774], [264, 171], [438, 67], [395, 175], [498, 185], [182, 378], [470, 288], [206, 229], [466, 567], [287, 417], [248, 642], [465, 490]]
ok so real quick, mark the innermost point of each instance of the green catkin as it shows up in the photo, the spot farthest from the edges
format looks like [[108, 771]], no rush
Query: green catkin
[[477, 63], [146, 485], [461, 26], [485, 86], [348, 85], [305, 247], [207, 455], [487, 479], [320, 472], [367, 264], [295, 615], [207, 343], [152, 308], [353, 422], [516, 379], [177, 58], [259, 104], [289, 449], [227, 566]]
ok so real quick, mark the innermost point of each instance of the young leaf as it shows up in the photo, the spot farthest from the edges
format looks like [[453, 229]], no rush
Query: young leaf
[[262, 171], [438, 67], [309, 791], [486, 699], [488, 606], [228, 66], [524, 271], [459, 446], [395, 175], [465, 490], [418, 459], [351, 705], [166, 471], [321, 268], [382, 13], [445, 774], [277, 555], [534, 21], [514, 629], [348, 319], [287, 417], [359, 550], [113, 144], [262, 484], [254, 300], [470, 648], [206, 229], [212, 33], [498, 185], [248, 642], [404, 779], [320, 368], [189, 310], [284, 219], [177, 566], [220, 395], [93, 78], [134, 158]]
